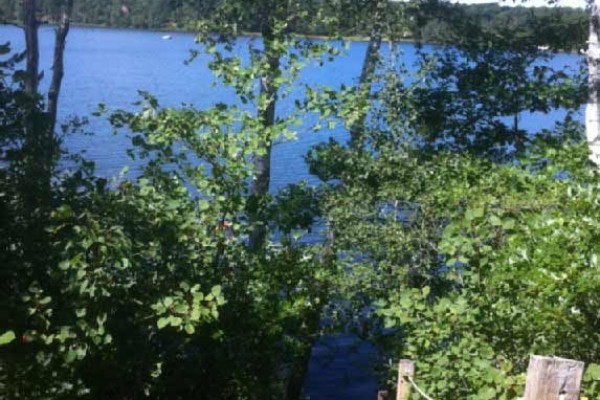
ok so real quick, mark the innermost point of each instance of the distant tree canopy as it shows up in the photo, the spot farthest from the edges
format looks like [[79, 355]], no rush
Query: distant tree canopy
[[557, 27]]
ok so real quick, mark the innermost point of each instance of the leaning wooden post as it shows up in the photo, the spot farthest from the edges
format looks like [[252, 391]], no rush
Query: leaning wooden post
[[406, 369], [553, 378]]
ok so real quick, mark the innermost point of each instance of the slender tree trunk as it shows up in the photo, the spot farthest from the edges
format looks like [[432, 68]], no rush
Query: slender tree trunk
[[35, 183], [369, 68], [62, 30], [41, 144], [262, 163], [33, 48], [592, 112]]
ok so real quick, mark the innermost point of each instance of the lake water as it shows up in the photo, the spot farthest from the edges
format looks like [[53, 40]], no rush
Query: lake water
[[110, 66]]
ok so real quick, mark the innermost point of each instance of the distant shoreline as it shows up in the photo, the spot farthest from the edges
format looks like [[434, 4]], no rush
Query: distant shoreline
[[350, 38]]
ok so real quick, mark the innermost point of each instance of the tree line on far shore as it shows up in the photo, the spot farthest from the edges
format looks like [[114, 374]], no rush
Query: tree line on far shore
[[557, 27]]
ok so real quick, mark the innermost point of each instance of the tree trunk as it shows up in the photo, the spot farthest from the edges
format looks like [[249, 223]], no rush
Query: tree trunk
[[62, 30], [592, 112], [38, 152], [33, 49], [262, 163], [367, 74]]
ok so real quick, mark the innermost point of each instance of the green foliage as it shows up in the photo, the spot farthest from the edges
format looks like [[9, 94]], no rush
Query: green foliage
[[145, 287], [468, 257], [473, 266], [561, 28], [453, 237], [518, 277], [591, 379], [472, 99]]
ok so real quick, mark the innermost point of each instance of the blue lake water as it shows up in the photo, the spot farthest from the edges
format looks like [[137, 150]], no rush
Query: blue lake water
[[110, 66]]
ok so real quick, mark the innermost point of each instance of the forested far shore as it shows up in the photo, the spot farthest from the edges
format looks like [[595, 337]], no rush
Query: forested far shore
[[561, 28]]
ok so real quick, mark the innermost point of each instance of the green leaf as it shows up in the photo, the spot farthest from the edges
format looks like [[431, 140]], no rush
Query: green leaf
[[508, 223], [470, 214], [64, 265], [162, 322], [216, 290], [478, 212], [7, 337], [495, 221], [592, 373], [189, 329], [70, 356]]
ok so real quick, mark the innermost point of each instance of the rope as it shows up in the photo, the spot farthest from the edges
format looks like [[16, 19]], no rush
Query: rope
[[418, 389]]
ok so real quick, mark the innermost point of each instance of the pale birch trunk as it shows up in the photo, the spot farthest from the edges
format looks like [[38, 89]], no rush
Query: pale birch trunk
[[592, 112], [262, 163]]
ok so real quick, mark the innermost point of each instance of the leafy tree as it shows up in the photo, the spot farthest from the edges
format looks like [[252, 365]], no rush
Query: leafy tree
[[466, 266], [263, 80], [145, 287], [453, 233], [148, 283], [473, 98]]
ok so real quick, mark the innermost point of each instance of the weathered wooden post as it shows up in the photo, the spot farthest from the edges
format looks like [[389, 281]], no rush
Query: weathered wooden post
[[406, 369], [553, 378]]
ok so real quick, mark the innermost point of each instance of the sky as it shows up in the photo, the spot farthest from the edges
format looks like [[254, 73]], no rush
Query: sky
[[530, 3], [527, 3]]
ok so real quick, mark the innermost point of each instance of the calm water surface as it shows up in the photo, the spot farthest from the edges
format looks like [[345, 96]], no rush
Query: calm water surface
[[110, 66]]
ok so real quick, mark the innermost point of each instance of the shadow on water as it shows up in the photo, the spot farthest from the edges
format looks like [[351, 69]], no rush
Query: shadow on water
[[340, 368]]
